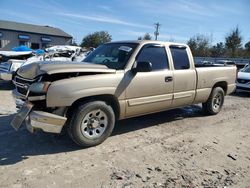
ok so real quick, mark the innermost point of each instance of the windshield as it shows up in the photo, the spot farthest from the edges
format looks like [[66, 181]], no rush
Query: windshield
[[113, 55], [247, 69]]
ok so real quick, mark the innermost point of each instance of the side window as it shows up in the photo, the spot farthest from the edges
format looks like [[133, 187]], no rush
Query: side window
[[154, 54], [180, 58]]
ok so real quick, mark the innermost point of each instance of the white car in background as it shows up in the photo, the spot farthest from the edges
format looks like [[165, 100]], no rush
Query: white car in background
[[225, 62], [55, 53], [13, 60], [243, 81], [7, 69]]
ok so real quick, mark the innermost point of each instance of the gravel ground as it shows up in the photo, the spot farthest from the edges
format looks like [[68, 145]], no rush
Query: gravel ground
[[176, 148]]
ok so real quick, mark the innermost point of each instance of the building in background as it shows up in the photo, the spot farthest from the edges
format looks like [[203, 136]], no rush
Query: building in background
[[13, 34]]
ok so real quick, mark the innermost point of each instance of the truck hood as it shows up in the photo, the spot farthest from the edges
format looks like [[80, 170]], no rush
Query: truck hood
[[33, 70], [244, 75]]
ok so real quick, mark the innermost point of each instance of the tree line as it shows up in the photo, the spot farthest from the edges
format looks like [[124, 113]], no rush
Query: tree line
[[201, 45], [231, 46], [100, 37]]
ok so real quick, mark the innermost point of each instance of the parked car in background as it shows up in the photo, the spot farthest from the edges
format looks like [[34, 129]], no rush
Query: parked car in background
[[6, 55], [55, 53], [11, 61], [246, 65], [206, 63], [225, 62], [62, 53], [243, 80]]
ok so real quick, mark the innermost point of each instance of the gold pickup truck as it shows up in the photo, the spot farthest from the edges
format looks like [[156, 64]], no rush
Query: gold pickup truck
[[116, 81]]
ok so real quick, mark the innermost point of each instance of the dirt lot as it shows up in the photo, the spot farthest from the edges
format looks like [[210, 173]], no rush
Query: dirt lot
[[177, 148]]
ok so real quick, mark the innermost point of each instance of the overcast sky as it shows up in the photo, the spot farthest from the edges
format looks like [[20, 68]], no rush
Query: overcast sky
[[128, 19]]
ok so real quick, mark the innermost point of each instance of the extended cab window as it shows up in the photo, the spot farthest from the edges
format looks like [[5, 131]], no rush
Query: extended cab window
[[156, 54], [180, 57]]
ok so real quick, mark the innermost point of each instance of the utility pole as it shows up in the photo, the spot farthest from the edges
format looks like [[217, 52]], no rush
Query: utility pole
[[157, 26]]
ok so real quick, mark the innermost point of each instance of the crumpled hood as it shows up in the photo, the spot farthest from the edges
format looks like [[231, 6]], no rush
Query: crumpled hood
[[33, 70]]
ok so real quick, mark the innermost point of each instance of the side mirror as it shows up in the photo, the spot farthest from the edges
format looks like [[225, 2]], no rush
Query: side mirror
[[142, 66]]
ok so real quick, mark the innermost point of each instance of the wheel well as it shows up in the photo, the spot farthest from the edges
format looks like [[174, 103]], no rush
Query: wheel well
[[222, 84], [108, 99]]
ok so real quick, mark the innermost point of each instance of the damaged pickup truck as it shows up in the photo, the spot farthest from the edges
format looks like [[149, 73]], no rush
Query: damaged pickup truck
[[116, 81]]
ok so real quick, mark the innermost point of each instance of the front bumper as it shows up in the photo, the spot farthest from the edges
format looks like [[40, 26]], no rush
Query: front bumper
[[38, 120], [243, 87], [44, 121], [6, 75]]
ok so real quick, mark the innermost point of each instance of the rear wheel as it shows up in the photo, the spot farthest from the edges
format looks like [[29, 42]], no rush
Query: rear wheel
[[214, 102], [92, 123]]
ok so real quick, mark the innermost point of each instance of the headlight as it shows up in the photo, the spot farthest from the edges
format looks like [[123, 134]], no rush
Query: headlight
[[39, 87], [13, 67]]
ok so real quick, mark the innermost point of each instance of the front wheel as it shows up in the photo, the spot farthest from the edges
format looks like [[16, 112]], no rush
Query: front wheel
[[214, 102], [92, 123]]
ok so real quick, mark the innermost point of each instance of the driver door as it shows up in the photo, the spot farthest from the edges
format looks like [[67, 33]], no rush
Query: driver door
[[152, 91]]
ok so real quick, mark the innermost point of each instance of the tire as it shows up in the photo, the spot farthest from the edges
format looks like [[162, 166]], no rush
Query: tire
[[91, 124], [214, 102]]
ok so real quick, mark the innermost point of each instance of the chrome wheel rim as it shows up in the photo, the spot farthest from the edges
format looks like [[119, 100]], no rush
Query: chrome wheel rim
[[94, 124], [217, 100]]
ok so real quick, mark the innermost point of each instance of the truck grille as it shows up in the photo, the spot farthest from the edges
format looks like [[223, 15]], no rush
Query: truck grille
[[243, 81], [22, 84]]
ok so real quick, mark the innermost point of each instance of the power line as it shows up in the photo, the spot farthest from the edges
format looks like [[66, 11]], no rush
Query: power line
[[157, 26]]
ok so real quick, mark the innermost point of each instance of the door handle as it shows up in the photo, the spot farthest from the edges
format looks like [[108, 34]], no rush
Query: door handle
[[168, 78]]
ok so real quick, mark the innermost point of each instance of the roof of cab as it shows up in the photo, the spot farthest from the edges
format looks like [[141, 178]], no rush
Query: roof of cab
[[150, 41]]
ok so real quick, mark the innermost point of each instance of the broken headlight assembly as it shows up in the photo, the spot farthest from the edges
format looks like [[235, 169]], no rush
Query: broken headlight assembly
[[39, 87]]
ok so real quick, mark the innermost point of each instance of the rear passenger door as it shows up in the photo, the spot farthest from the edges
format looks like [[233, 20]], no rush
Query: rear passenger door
[[184, 76], [149, 92]]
